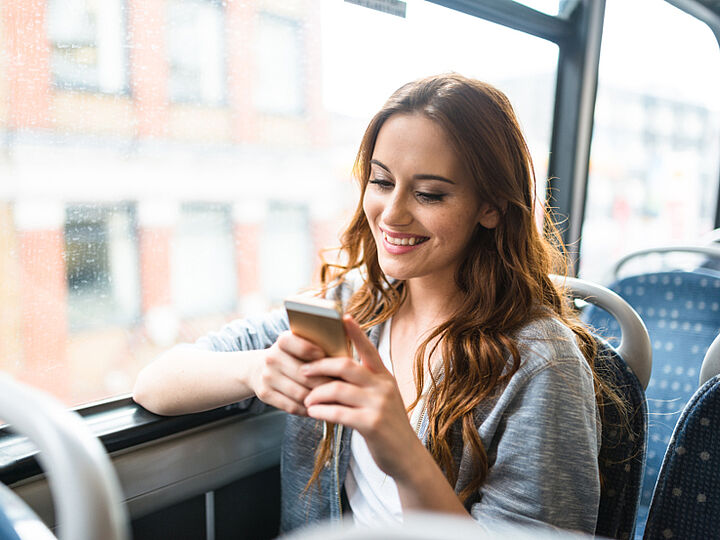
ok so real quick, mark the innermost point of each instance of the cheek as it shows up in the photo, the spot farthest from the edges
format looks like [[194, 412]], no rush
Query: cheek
[[369, 207], [456, 227]]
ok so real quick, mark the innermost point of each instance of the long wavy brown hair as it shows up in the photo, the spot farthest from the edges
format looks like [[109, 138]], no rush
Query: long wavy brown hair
[[504, 276]]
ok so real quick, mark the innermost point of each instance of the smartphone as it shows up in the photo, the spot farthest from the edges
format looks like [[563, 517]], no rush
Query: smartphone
[[320, 321]]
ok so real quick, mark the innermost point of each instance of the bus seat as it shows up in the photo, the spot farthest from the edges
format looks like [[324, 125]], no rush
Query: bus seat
[[624, 437], [711, 363], [682, 313], [85, 490], [622, 453], [686, 500]]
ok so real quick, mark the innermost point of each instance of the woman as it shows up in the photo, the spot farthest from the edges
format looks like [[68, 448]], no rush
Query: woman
[[474, 392]]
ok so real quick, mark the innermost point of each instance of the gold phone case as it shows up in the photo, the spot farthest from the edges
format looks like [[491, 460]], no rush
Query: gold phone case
[[320, 321]]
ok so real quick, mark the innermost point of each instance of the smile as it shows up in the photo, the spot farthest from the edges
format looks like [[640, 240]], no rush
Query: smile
[[404, 241]]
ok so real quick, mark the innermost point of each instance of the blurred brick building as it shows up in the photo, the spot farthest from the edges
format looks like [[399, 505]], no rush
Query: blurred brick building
[[163, 167]]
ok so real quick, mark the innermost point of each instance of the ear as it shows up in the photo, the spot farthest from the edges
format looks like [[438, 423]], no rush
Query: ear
[[488, 216]]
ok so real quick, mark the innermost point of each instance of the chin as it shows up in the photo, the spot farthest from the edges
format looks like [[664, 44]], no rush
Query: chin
[[400, 274], [391, 272]]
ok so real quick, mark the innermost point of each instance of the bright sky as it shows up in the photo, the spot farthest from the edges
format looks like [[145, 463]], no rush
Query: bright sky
[[648, 46]]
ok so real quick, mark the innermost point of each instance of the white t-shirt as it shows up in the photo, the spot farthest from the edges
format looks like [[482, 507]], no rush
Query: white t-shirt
[[372, 494]]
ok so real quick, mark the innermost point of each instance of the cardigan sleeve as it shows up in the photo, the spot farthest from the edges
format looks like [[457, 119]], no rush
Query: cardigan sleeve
[[246, 334], [260, 332]]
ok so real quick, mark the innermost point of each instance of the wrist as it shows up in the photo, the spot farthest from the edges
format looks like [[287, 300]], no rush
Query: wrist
[[415, 465], [248, 370]]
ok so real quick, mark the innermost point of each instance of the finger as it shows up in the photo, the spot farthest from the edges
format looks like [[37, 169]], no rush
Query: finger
[[338, 368], [291, 367], [337, 414], [338, 393], [298, 347], [282, 402], [364, 347], [288, 387]]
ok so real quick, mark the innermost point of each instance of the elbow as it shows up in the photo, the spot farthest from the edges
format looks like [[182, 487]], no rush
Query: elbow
[[149, 396]]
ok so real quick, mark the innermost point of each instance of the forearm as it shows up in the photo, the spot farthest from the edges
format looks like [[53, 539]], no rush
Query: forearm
[[423, 486], [185, 380]]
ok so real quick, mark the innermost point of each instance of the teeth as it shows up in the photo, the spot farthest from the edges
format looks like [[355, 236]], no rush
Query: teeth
[[402, 241]]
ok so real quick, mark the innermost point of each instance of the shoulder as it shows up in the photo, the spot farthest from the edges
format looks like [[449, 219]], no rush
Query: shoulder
[[551, 363], [547, 342]]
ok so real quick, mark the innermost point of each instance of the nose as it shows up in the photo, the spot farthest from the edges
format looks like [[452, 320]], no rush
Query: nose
[[397, 211]]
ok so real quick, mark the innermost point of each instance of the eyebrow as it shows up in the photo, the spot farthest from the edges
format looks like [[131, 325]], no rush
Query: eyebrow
[[415, 176]]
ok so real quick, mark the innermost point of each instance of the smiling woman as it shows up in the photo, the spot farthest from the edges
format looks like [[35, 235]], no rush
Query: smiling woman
[[421, 199], [167, 167], [473, 375]]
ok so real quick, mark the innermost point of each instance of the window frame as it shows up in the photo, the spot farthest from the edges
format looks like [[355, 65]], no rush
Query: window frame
[[121, 424], [96, 88]]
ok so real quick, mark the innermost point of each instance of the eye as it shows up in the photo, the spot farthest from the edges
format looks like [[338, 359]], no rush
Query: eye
[[381, 184], [430, 197]]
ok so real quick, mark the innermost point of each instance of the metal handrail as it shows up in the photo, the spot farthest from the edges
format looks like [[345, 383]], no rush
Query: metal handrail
[[708, 251]]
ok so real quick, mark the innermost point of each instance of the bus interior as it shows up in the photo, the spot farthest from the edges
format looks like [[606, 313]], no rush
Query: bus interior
[[167, 166]]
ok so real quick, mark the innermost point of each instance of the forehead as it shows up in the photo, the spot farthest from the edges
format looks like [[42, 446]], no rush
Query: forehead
[[414, 144]]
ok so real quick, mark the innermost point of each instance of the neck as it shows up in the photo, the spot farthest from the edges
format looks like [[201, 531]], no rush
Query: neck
[[429, 302]]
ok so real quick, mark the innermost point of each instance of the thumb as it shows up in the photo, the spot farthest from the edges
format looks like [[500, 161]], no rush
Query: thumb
[[364, 347]]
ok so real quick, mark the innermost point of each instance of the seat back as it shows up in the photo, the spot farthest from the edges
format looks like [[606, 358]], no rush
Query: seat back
[[624, 433], [686, 500], [622, 453], [682, 313]]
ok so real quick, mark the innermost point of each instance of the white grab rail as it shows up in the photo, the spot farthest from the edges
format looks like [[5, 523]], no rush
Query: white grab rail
[[711, 363], [635, 347], [85, 490]]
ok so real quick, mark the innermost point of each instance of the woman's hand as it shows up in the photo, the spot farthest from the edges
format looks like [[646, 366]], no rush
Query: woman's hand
[[364, 397], [278, 379]]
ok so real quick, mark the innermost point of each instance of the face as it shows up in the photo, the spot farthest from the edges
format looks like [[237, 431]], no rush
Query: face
[[420, 201]]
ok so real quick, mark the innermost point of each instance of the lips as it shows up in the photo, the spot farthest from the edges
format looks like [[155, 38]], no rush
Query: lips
[[401, 242]]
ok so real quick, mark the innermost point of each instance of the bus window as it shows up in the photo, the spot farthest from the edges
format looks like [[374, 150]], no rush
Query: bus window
[[163, 162], [654, 158]]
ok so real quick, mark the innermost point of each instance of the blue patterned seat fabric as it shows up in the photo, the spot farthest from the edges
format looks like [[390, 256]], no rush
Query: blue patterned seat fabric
[[682, 313], [686, 502], [622, 454]]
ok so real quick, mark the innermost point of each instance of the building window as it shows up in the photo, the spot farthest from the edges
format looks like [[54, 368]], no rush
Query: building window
[[203, 260], [101, 262], [279, 60], [195, 38], [87, 40], [288, 270]]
